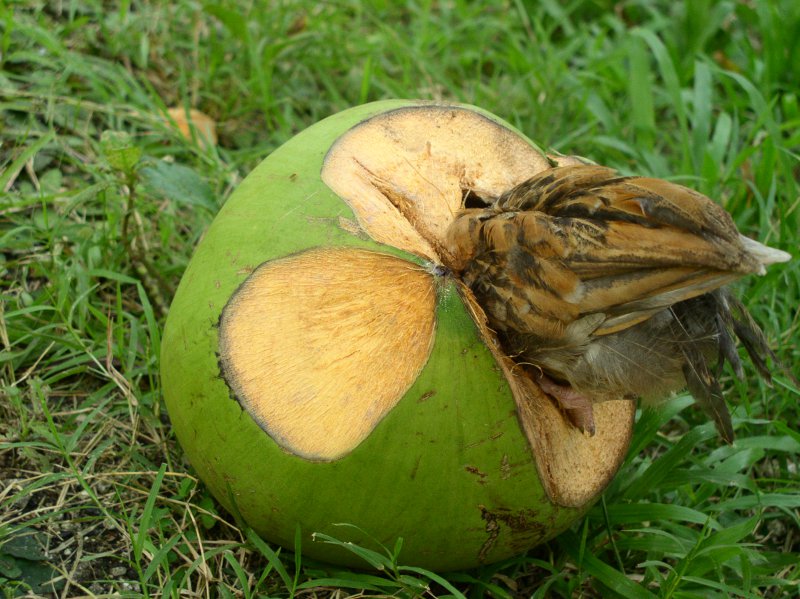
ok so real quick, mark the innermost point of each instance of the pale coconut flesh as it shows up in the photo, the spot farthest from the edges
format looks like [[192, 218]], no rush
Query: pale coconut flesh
[[320, 346], [344, 335]]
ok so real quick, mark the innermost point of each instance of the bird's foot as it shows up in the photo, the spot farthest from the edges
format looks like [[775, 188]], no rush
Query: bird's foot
[[576, 406]]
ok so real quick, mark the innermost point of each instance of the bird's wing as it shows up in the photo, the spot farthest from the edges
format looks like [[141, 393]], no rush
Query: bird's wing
[[580, 240]]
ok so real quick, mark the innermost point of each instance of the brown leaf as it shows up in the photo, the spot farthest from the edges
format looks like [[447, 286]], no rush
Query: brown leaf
[[205, 127]]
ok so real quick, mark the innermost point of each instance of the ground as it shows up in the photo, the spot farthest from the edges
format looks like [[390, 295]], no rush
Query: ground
[[103, 200]]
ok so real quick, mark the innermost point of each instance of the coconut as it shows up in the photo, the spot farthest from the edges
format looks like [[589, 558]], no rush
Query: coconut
[[322, 363]]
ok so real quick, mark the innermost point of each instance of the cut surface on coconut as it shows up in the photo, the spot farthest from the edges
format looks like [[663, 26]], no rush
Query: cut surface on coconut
[[405, 173], [318, 347], [574, 467]]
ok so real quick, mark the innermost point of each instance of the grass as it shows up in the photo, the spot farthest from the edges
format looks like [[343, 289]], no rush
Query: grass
[[95, 497]]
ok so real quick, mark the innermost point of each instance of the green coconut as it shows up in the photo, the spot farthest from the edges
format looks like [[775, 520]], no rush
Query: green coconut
[[322, 365]]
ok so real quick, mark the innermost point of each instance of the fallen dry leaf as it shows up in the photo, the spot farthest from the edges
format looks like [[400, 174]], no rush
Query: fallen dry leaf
[[205, 127]]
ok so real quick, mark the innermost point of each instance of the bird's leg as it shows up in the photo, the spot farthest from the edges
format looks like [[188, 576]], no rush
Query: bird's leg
[[576, 406]]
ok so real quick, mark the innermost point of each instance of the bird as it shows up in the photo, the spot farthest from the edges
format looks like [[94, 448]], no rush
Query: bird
[[602, 286]]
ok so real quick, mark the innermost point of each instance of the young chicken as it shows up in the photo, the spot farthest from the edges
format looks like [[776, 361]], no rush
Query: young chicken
[[605, 286]]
